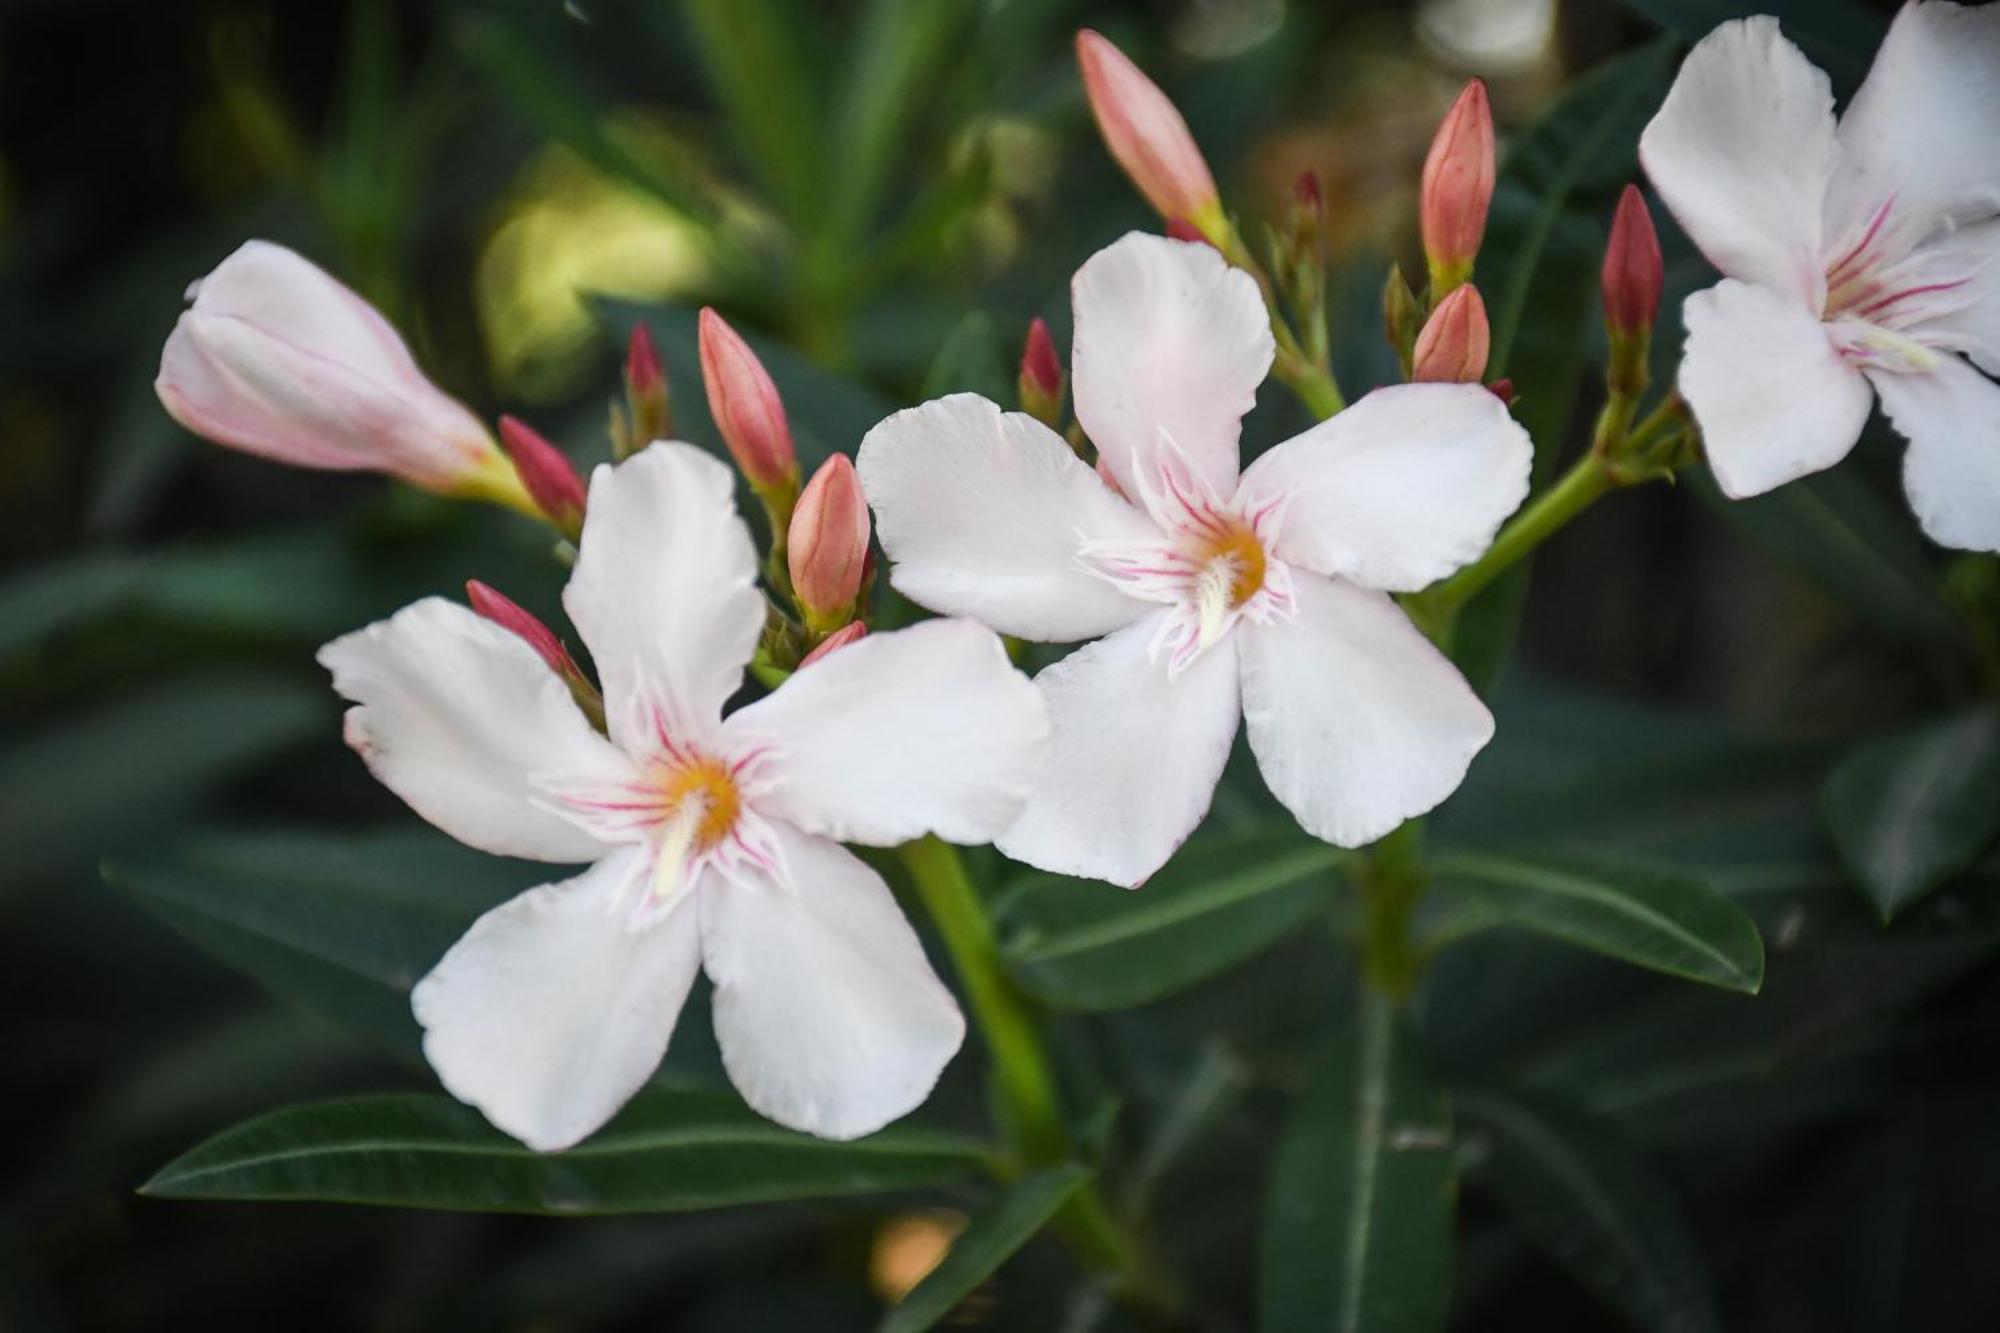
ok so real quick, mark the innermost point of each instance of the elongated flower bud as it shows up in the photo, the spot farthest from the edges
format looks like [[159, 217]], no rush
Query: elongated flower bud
[[746, 408], [1042, 379], [646, 402], [1457, 188], [510, 615], [547, 473], [276, 358], [1148, 136], [828, 545], [1453, 346], [1633, 272], [834, 642]]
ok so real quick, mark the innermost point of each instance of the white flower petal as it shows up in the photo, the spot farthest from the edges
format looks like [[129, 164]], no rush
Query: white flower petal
[[553, 1009], [1774, 398], [1742, 151], [1358, 722], [1971, 324], [1951, 417], [287, 297], [462, 718], [1169, 338], [1923, 125], [1398, 490], [1133, 757], [829, 1016], [922, 730], [982, 512], [665, 591]]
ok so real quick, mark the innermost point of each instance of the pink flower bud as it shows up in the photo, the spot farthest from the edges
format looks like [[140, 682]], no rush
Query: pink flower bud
[[1146, 134], [642, 363], [1457, 187], [646, 402], [833, 642], [547, 473], [1455, 340], [746, 407], [1503, 389], [510, 615], [1180, 229], [1041, 379], [827, 547], [276, 358], [1632, 269]]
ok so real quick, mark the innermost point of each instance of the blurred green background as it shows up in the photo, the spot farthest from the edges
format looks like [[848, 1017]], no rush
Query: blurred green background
[[882, 194]]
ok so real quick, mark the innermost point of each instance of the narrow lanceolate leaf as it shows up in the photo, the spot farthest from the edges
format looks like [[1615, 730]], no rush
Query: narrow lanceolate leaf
[[339, 926], [1358, 1237], [1012, 1220], [1912, 809], [76, 785], [1582, 1195], [1078, 944], [670, 1150], [1668, 920]]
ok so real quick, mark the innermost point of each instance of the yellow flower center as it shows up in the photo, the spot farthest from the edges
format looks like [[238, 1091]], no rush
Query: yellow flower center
[[702, 795], [1237, 559]]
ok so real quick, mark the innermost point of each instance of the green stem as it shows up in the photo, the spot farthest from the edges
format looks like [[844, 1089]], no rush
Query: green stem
[[1392, 882], [1024, 1080], [1309, 377], [1435, 607]]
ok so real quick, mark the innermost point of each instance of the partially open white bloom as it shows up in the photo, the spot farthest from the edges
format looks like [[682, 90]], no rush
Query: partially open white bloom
[[1264, 595], [1854, 254], [712, 839]]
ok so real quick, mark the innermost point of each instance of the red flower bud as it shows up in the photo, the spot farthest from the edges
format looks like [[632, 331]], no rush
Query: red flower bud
[[1180, 229], [827, 548], [510, 615], [547, 473], [1632, 268], [1503, 389], [643, 372], [1453, 346], [1145, 133], [1457, 188], [833, 642], [746, 407], [1041, 379]]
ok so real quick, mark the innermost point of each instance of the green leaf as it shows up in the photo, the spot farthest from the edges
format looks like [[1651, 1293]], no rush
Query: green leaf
[[339, 926], [1359, 1234], [546, 95], [77, 784], [1081, 944], [1668, 920], [670, 1150], [758, 55], [1840, 36], [902, 46], [1587, 1199], [994, 1236], [971, 360], [1834, 531], [1909, 810]]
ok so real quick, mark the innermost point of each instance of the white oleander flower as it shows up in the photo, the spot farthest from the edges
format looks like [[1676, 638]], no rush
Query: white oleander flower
[[1264, 595], [712, 839], [1857, 253]]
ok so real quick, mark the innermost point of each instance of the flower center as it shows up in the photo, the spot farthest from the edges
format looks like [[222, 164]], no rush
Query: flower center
[[1233, 560], [699, 793]]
